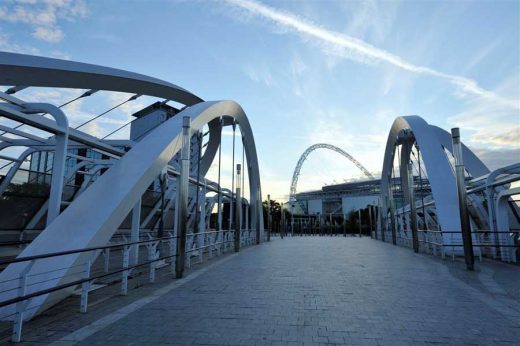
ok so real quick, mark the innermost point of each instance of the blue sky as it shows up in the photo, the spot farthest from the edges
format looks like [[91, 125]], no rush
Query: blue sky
[[305, 72]]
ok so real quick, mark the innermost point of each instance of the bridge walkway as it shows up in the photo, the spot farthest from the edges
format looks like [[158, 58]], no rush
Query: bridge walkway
[[310, 291]]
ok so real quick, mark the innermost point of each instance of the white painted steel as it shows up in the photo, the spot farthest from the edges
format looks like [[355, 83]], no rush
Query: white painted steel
[[431, 141], [96, 214], [296, 174], [21, 69]]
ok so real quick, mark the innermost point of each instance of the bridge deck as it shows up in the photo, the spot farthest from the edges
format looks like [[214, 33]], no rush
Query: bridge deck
[[321, 290]]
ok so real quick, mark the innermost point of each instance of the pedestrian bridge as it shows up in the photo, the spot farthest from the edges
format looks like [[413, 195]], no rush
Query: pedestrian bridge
[[299, 291], [98, 228]]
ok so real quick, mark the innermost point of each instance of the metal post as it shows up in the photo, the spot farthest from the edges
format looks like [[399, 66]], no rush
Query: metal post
[[269, 225], [344, 225], [413, 211], [219, 194], [374, 215], [238, 209], [152, 256], [461, 192], [258, 211], [106, 258], [282, 228], [393, 224], [232, 181], [20, 306], [246, 221], [382, 221], [370, 219], [359, 216], [163, 181], [126, 262], [134, 237], [182, 209], [85, 288]]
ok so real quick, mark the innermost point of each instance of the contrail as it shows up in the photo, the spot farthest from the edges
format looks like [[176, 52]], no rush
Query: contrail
[[363, 49]]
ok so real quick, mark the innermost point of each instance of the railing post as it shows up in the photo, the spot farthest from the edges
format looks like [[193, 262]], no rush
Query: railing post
[[393, 224], [134, 237], [106, 260], [370, 219], [210, 244], [152, 256], [200, 245], [269, 217], [413, 212], [20, 306], [238, 209], [126, 263], [246, 221], [258, 211], [218, 238], [359, 217], [182, 209], [84, 288], [461, 192]]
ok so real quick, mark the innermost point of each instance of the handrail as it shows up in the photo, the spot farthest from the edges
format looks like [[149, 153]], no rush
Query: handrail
[[113, 246], [70, 252], [91, 278]]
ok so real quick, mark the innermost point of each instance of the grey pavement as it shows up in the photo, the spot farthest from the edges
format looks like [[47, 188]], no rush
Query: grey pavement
[[325, 290]]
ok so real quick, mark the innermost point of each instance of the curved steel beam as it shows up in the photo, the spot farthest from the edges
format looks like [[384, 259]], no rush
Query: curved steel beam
[[431, 141], [96, 214], [310, 149], [21, 69]]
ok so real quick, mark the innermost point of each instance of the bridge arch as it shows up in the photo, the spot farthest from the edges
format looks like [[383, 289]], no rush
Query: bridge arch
[[112, 196], [433, 143], [296, 174]]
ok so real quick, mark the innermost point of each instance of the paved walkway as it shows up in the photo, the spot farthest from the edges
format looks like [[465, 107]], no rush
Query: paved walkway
[[323, 290]]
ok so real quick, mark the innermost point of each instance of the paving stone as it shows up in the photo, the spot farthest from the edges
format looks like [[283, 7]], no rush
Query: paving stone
[[330, 291]]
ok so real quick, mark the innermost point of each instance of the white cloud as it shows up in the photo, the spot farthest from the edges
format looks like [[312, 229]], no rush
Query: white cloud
[[8, 46], [43, 16], [354, 49], [52, 35], [260, 73], [493, 126]]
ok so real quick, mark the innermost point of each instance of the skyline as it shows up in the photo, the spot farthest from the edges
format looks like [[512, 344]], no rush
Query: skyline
[[300, 64]]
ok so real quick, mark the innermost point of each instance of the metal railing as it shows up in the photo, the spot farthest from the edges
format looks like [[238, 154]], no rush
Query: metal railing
[[209, 242], [432, 242]]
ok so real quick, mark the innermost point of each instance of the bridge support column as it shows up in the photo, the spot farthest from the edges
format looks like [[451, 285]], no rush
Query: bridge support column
[[461, 193], [182, 208]]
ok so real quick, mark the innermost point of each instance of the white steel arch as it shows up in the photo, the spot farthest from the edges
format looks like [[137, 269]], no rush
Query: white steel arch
[[296, 174], [432, 142], [94, 216]]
